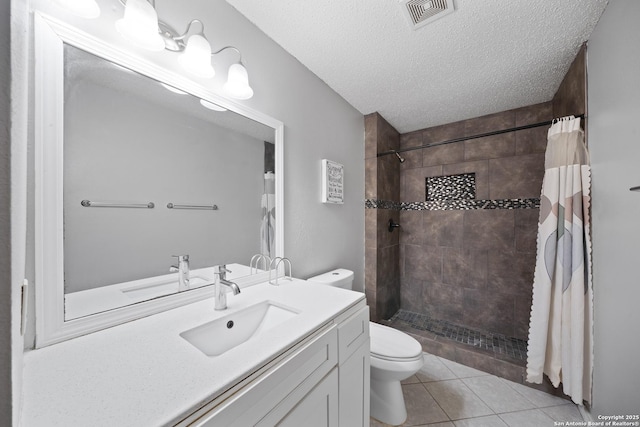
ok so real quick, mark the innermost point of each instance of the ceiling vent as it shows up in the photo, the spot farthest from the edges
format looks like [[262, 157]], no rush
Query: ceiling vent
[[423, 12]]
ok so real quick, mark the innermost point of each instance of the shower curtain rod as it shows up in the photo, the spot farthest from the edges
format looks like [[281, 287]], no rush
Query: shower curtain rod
[[465, 138]]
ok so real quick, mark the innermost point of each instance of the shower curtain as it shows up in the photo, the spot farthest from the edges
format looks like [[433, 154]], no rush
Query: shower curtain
[[267, 226], [561, 325]]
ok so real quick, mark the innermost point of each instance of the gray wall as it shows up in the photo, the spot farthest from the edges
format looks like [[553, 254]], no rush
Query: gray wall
[[121, 147], [318, 124], [614, 142]]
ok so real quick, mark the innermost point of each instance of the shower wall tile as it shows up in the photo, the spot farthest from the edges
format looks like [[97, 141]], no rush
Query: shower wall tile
[[388, 137], [412, 183], [489, 229], [571, 97], [371, 136], [527, 229], [494, 312], [382, 182], [490, 123], [411, 139], [388, 281], [388, 178], [445, 301], [383, 236], [536, 113], [411, 228], [443, 228], [370, 227], [522, 315], [516, 177], [480, 168], [413, 158], [443, 132], [422, 262], [490, 147], [510, 272], [371, 178], [443, 154], [370, 275], [465, 268], [531, 141], [411, 294]]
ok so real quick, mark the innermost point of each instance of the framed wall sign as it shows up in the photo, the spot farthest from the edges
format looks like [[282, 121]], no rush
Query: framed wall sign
[[332, 182]]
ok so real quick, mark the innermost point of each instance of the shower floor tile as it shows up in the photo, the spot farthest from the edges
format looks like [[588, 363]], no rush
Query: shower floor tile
[[497, 343]]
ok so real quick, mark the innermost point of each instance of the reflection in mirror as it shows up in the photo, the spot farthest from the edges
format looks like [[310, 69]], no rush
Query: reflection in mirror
[[130, 140]]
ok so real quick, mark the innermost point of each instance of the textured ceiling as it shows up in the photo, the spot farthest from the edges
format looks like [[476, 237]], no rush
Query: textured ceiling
[[487, 56]]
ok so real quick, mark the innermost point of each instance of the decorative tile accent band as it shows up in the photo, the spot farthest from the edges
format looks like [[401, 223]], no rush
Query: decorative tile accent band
[[451, 187], [453, 205]]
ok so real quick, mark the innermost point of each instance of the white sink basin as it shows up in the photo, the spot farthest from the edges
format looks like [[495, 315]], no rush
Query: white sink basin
[[220, 335], [162, 287]]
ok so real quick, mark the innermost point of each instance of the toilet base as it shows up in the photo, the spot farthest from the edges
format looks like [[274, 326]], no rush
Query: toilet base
[[387, 402]]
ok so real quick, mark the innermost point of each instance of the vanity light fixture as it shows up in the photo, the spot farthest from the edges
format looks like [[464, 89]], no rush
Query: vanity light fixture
[[141, 26], [84, 8]]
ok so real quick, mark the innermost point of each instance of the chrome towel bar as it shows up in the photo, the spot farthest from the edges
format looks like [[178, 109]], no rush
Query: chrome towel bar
[[90, 204], [210, 208]]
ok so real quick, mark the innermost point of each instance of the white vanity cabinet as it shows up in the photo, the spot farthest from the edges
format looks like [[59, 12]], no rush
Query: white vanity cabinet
[[323, 382]]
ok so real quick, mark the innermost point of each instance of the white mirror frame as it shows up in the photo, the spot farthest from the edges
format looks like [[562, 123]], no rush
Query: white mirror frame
[[50, 35]]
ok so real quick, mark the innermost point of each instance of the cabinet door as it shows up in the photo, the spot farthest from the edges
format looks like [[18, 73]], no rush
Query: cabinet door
[[354, 381], [319, 408], [278, 390]]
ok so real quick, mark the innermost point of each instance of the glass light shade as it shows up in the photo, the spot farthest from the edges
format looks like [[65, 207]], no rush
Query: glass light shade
[[173, 89], [196, 58], [212, 106], [83, 8], [140, 25], [237, 85]]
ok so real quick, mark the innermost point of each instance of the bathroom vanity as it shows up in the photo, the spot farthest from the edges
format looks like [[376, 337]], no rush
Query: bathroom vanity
[[310, 367], [118, 342]]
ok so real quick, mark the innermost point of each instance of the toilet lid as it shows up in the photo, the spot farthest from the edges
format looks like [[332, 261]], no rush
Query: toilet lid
[[391, 344]]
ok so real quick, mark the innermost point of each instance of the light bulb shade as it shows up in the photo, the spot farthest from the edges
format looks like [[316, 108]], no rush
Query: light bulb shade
[[196, 58], [83, 8], [212, 106], [237, 85], [140, 25]]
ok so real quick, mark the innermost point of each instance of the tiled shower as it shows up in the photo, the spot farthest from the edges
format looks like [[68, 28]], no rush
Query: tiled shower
[[458, 272]]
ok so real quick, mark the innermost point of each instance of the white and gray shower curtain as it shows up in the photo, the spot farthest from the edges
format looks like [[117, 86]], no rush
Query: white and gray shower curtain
[[267, 226], [561, 325]]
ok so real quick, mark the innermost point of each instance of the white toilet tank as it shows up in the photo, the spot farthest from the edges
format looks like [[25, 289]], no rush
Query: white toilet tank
[[341, 278]]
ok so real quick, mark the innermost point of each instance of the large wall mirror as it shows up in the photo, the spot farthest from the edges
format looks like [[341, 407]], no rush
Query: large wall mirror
[[135, 164]]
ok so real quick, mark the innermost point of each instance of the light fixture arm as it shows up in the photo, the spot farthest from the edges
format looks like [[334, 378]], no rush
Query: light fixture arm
[[183, 35], [232, 48]]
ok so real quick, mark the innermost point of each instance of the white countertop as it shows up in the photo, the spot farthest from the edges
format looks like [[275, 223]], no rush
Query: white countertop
[[143, 373]]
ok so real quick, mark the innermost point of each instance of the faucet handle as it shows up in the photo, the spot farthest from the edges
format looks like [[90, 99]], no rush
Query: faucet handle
[[181, 258], [222, 270]]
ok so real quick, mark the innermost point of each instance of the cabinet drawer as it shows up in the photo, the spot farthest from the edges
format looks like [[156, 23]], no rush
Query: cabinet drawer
[[315, 359], [352, 333]]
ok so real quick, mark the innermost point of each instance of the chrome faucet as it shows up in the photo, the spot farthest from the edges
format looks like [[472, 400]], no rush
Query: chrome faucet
[[183, 271], [220, 293]]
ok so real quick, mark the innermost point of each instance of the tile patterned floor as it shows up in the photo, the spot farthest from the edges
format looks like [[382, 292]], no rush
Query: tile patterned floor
[[511, 347], [447, 394]]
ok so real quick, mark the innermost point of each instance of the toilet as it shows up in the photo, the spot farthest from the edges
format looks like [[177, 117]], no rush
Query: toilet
[[395, 356]]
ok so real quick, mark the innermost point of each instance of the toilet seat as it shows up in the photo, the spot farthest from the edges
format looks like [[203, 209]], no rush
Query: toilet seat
[[393, 345]]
